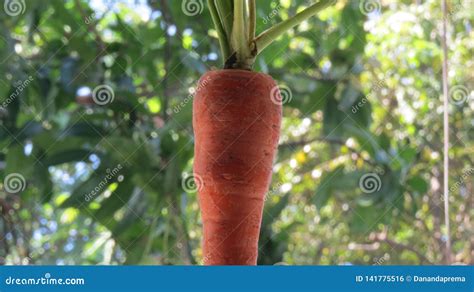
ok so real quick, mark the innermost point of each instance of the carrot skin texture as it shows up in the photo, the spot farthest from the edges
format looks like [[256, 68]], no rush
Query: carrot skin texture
[[236, 128]]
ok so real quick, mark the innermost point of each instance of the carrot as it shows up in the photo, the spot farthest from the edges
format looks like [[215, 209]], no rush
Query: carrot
[[236, 127], [236, 121]]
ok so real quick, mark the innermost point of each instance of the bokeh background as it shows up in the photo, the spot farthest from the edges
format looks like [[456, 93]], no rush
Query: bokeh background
[[96, 144]]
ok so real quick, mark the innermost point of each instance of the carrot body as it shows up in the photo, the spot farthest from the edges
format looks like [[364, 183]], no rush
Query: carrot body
[[236, 127]]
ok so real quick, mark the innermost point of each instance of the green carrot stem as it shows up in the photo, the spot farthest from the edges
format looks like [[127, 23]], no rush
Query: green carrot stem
[[225, 9], [252, 19], [271, 34], [223, 40], [240, 43]]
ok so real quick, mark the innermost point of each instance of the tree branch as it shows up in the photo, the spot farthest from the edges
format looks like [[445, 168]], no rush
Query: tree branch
[[383, 238], [329, 140]]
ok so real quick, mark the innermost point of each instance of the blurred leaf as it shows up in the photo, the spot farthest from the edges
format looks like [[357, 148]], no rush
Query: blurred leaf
[[191, 60], [89, 190], [274, 211], [44, 182], [334, 119], [84, 129], [408, 154], [117, 199], [367, 141], [418, 184], [132, 218], [349, 96], [67, 156], [68, 73], [29, 130], [326, 186]]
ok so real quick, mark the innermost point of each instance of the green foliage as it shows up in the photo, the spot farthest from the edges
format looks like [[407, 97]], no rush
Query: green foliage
[[104, 184]]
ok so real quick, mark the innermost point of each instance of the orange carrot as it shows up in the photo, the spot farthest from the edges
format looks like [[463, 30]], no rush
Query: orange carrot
[[236, 121], [236, 126]]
